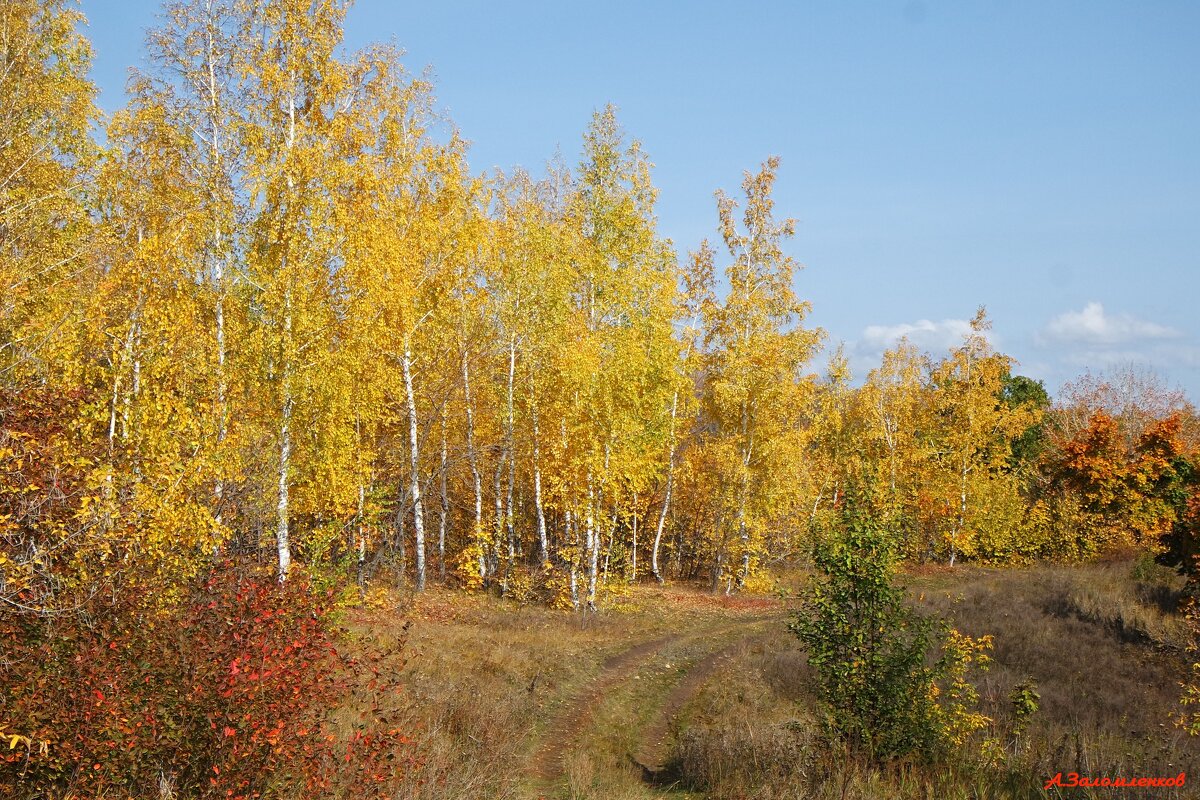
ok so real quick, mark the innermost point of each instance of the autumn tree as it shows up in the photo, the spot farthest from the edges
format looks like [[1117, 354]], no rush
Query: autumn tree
[[46, 158], [1135, 396], [153, 309], [405, 216], [533, 310], [194, 78], [625, 352], [895, 406], [1126, 496], [297, 100], [757, 353], [696, 297], [971, 438], [52, 542], [835, 440]]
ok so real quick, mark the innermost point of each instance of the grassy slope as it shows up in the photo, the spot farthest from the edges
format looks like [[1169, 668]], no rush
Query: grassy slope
[[514, 702]]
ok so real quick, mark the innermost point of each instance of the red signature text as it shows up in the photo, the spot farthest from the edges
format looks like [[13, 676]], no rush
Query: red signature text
[[1073, 779]]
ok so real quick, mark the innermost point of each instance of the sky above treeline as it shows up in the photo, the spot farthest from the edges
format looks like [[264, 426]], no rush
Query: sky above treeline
[[1042, 159]]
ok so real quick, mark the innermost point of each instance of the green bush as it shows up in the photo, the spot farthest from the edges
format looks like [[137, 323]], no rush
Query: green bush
[[893, 682]]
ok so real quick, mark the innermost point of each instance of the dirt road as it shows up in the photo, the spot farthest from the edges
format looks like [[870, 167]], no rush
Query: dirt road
[[659, 676]]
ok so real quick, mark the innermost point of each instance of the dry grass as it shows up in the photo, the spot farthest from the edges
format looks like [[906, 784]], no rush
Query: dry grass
[[1103, 647], [1096, 652], [478, 676], [487, 682], [1138, 604], [1101, 642]]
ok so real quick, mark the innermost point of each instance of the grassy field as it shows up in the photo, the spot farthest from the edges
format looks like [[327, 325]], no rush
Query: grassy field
[[673, 692]]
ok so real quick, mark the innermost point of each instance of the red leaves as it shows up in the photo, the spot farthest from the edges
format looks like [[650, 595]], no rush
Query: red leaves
[[1125, 487], [230, 694]]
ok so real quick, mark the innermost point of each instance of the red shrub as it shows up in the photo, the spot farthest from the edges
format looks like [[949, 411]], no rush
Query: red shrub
[[231, 696]]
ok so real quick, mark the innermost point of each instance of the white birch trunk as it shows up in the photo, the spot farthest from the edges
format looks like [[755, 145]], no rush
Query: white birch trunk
[[743, 527], [360, 541], [112, 414], [633, 563], [415, 466], [662, 522], [218, 258], [282, 543], [572, 535], [444, 511], [132, 349], [401, 526], [498, 525], [593, 546], [612, 532], [222, 389], [666, 506], [543, 544], [510, 445], [473, 462]]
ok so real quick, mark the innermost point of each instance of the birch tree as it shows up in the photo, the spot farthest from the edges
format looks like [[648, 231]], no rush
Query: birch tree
[[194, 76], [406, 217], [295, 91], [624, 291], [46, 158], [758, 350], [974, 429]]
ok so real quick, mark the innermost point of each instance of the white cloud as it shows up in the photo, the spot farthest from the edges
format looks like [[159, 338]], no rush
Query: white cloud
[[935, 337], [1094, 326], [1160, 355], [1095, 340]]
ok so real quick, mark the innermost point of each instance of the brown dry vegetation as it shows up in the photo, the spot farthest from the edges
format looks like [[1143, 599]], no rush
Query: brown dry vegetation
[[1101, 645], [513, 701], [679, 693]]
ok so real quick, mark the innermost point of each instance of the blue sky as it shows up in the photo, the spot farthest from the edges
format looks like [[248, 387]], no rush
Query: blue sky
[[1041, 158]]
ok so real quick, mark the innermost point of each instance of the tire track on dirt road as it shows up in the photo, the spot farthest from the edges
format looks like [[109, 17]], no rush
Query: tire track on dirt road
[[572, 722], [653, 750], [564, 730]]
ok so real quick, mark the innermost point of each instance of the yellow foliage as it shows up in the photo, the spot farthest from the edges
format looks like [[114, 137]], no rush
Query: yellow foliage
[[558, 583], [761, 582], [379, 596], [955, 715], [466, 566], [519, 586]]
